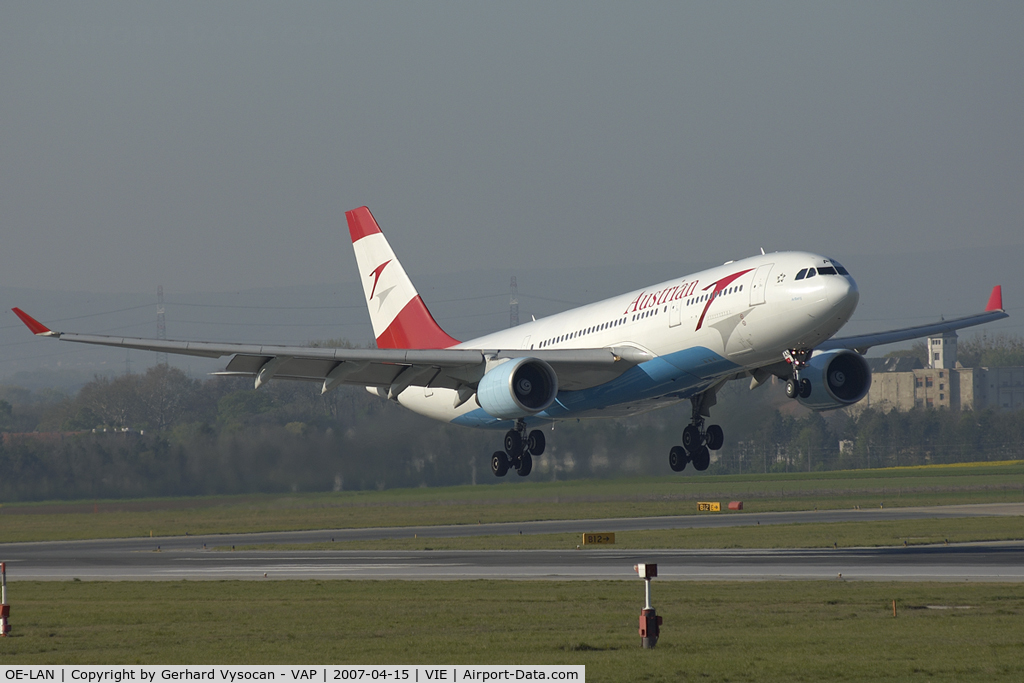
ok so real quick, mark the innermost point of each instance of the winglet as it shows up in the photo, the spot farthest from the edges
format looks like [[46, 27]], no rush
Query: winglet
[[995, 300], [33, 324]]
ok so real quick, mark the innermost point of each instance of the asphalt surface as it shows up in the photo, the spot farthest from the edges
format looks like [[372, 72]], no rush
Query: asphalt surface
[[193, 557]]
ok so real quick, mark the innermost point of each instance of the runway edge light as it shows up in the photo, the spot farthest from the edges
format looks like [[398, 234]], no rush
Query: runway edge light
[[650, 622], [5, 609]]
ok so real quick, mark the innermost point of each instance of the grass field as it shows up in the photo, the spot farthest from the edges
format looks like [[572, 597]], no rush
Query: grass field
[[513, 501], [788, 631], [756, 631]]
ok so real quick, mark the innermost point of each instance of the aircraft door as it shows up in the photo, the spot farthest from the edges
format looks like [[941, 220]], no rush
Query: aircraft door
[[759, 284], [675, 314]]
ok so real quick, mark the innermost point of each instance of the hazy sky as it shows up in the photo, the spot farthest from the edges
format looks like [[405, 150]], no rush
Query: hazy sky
[[216, 146]]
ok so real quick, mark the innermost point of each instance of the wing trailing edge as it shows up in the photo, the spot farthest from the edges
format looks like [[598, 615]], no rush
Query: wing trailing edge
[[862, 342], [448, 368]]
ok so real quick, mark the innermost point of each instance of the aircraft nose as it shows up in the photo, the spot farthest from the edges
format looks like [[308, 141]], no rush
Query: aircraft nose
[[842, 292]]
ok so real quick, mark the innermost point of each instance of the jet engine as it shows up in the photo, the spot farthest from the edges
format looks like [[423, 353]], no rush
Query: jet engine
[[517, 388], [838, 378]]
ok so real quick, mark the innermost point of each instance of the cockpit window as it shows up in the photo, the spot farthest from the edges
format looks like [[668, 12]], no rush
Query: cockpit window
[[827, 270], [839, 267], [801, 274], [810, 272]]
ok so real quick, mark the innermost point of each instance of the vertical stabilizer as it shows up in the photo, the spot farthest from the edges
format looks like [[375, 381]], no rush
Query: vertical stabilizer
[[400, 318]]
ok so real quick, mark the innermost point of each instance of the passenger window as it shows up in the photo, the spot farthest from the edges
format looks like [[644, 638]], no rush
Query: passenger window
[[801, 274]]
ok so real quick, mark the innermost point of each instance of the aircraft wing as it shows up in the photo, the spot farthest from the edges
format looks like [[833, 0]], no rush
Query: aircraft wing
[[862, 342], [394, 369]]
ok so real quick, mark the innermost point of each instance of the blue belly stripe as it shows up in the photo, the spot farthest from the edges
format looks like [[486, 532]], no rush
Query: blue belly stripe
[[683, 374]]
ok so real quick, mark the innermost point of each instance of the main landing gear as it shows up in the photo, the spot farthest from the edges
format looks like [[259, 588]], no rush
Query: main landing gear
[[698, 442], [520, 448], [797, 387]]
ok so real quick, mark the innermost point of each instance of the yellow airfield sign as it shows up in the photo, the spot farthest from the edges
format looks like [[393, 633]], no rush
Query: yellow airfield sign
[[709, 507], [591, 539]]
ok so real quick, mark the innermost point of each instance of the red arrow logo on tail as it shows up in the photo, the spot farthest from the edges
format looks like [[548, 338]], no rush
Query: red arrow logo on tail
[[376, 276]]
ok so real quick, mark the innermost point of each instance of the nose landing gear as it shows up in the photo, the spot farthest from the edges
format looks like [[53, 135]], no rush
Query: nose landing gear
[[797, 387], [520, 448]]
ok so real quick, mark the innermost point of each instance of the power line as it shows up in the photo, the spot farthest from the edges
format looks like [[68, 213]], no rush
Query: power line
[[513, 303], [161, 323]]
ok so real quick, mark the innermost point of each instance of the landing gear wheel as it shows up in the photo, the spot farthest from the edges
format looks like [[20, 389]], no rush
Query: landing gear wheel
[[525, 465], [513, 444], [499, 464], [677, 459], [691, 438], [701, 459], [535, 443], [792, 388], [714, 437], [805, 388]]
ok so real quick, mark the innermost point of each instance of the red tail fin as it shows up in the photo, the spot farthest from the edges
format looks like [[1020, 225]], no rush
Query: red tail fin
[[400, 318]]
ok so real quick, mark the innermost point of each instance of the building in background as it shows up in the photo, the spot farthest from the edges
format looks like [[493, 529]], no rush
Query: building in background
[[904, 383]]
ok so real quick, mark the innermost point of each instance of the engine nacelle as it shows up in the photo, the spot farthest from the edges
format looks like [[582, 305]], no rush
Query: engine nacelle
[[518, 388], [838, 378]]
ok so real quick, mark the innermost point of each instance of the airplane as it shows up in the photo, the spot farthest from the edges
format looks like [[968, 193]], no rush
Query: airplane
[[769, 315]]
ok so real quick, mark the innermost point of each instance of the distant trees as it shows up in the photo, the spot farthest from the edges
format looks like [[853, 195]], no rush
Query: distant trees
[[991, 351], [163, 433], [981, 350], [918, 350], [923, 436], [160, 398], [6, 415]]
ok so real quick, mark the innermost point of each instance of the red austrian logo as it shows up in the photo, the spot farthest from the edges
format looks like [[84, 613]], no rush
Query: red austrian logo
[[684, 291], [716, 289], [376, 276]]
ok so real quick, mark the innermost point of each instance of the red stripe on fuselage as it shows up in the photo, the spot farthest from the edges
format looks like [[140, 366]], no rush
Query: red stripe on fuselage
[[361, 223], [415, 328], [718, 287]]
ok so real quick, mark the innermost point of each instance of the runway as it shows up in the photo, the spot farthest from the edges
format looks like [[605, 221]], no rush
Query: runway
[[193, 557]]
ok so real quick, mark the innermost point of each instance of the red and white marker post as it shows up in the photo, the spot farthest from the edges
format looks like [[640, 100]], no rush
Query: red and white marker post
[[5, 609], [650, 622]]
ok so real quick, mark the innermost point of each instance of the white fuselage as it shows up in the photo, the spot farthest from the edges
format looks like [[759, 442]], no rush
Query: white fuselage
[[700, 329]]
